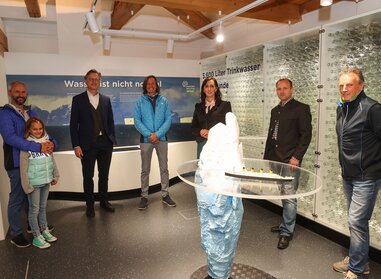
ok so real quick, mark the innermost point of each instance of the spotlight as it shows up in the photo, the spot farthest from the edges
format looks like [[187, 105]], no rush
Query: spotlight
[[92, 22], [220, 38], [325, 3], [170, 46], [220, 34], [106, 42]]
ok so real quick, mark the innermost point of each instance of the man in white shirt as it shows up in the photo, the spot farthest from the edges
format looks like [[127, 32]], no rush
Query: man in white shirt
[[93, 136]]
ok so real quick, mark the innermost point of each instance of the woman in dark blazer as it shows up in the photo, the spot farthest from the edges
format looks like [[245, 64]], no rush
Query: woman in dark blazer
[[210, 111]]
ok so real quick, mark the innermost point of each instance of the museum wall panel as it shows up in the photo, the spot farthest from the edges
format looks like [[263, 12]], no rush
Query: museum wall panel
[[356, 42], [312, 60]]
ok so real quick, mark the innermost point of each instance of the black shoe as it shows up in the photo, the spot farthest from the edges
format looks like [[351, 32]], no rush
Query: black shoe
[[168, 201], [29, 229], [275, 229], [107, 206], [283, 242], [143, 204], [90, 211], [20, 241]]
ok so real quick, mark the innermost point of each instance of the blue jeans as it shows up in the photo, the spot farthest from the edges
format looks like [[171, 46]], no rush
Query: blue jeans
[[37, 208], [17, 201], [289, 205], [361, 197]]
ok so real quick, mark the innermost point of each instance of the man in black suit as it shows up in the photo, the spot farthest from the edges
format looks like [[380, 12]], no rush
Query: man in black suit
[[288, 138], [92, 136]]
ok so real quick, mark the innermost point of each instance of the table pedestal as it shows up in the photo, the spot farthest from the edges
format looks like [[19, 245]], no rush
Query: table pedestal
[[239, 271], [220, 220]]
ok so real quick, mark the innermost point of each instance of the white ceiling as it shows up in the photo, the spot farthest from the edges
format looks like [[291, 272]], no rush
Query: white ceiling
[[62, 21]]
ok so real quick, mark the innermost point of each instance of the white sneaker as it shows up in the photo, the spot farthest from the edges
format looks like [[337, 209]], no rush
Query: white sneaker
[[48, 236], [39, 242]]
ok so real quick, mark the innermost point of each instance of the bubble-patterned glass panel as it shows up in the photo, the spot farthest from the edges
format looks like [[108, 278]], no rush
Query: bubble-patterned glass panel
[[298, 60], [245, 78], [355, 43], [253, 147], [240, 77], [215, 67]]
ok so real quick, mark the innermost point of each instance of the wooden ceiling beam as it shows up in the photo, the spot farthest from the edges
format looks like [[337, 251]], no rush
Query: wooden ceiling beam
[[312, 5], [225, 6], [3, 43], [33, 8], [282, 13], [122, 13], [194, 19]]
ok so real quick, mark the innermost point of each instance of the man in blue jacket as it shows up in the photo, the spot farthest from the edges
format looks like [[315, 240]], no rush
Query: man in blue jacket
[[12, 118], [152, 118], [358, 128]]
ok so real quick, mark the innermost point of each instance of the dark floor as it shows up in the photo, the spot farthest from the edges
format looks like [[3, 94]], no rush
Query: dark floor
[[162, 242]]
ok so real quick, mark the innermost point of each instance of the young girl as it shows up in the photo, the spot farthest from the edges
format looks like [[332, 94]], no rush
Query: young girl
[[38, 171]]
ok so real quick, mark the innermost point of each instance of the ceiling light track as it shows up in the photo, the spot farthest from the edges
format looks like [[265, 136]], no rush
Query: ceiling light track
[[227, 17], [144, 34]]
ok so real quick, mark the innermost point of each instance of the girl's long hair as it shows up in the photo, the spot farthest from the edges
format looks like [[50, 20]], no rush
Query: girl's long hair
[[29, 123]]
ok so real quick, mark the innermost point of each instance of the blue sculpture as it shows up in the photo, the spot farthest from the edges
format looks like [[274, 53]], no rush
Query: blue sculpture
[[220, 218], [220, 215]]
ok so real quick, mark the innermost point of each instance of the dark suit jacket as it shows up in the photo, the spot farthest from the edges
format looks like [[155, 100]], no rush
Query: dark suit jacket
[[202, 120], [82, 123], [294, 132]]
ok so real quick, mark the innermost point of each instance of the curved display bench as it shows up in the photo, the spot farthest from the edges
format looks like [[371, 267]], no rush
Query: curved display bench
[[124, 179]]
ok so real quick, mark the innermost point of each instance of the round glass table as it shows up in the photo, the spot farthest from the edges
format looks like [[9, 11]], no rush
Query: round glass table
[[219, 200], [259, 179]]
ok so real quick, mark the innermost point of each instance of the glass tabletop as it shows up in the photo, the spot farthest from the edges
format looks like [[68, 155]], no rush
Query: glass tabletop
[[258, 179]]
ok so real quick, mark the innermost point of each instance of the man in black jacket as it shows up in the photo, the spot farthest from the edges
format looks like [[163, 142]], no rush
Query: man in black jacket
[[288, 138], [358, 129], [92, 133]]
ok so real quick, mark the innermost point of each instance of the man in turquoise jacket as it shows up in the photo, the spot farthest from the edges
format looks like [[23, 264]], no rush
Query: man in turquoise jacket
[[152, 118]]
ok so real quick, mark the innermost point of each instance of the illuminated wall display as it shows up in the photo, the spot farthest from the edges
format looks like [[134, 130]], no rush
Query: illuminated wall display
[[312, 60], [51, 98]]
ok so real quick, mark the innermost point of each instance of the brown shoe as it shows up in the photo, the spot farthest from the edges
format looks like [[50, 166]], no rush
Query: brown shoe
[[283, 242], [342, 266], [275, 229]]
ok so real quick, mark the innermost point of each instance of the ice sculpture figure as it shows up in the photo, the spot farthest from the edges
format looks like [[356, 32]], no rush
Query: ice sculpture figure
[[220, 215]]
